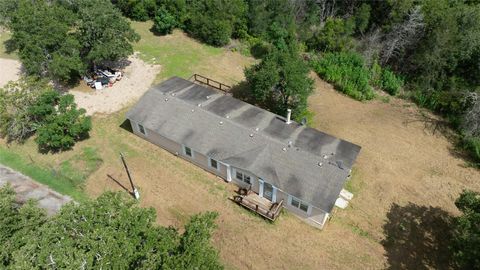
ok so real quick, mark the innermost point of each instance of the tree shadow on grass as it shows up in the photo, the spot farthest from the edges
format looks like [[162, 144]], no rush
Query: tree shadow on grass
[[418, 237]]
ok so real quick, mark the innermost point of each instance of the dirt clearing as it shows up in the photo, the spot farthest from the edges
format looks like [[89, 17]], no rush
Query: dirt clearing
[[137, 79], [9, 70]]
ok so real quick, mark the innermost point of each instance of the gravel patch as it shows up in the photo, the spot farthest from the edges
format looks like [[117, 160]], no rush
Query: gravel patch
[[137, 79]]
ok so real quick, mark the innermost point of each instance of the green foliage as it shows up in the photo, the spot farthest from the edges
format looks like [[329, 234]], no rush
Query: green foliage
[[347, 72], [362, 17], [335, 36], [101, 43], [64, 125], [16, 223], [164, 22], [472, 145], [139, 10], [390, 82], [281, 82], [215, 21], [16, 100], [41, 33], [466, 240], [110, 232], [267, 17], [62, 39]]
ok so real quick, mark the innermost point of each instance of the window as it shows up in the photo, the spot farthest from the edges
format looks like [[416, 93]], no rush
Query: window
[[141, 129], [213, 163], [243, 177], [188, 151], [299, 204]]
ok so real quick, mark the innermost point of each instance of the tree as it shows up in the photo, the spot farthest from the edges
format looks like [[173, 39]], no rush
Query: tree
[[466, 241], [103, 32], [46, 46], [280, 82], [110, 232], [362, 17], [335, 36], [63, 124], [16, 99], [215, 21], [62, 39], [164, 22]]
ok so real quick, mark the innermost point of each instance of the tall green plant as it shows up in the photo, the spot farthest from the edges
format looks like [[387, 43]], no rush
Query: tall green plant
[[347, 72]]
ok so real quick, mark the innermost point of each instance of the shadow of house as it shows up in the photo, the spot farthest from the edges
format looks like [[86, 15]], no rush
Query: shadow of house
[[418, 237]]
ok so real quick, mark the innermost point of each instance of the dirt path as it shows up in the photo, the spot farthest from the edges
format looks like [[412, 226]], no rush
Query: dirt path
[[9, 71], [27, 189], [137, 79]]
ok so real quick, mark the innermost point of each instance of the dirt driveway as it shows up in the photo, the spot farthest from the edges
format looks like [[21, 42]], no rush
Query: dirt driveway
[[9, 70], [137, 79]]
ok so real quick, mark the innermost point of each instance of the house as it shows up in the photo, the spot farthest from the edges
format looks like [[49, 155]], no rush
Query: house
[[279, 160]]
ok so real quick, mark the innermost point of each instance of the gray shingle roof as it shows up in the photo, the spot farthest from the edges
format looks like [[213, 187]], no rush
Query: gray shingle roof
[[250, 138]]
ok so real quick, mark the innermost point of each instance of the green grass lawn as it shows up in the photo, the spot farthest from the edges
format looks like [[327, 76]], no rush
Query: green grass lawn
[[53, 178], [4, 36], [177, 53]]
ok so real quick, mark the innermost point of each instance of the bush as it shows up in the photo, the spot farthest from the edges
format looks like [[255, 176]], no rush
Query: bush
[[215, 21], [347, 72], [164, 22], [138, 10], [62, 124], [16, 120], [466, 237], [472, 145], [390, 83]]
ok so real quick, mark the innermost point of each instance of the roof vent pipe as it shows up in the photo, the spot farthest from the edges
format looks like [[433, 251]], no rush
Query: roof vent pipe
[[289, 116]]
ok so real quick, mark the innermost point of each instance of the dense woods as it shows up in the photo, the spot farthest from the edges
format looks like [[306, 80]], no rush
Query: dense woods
[[110, 232]]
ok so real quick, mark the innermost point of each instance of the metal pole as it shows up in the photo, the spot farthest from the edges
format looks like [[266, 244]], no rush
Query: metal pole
[[135, 191]]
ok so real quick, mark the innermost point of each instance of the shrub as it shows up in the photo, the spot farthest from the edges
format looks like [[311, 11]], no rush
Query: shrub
[[16, 98], [390, 83], [472, 145], [63, 125], [466, 237], [164, 22], [347, 72]]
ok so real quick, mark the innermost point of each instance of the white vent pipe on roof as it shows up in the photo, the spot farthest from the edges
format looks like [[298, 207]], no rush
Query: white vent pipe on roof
[[289, 116]]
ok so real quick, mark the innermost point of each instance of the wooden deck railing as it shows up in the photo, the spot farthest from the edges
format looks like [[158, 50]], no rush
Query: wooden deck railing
[[212, 83]]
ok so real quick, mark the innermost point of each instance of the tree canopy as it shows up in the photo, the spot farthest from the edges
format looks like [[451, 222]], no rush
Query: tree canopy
[[280, 82], [31, 106], [110, 232], [61, 39], [466, 241]]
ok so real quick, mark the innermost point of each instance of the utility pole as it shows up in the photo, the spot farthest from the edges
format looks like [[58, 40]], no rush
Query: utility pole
[[135, 191]]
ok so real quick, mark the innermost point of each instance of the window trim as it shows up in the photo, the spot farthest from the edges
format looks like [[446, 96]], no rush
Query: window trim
[[216, 162], [244, 176], [300, 203], [185, 152], [140, 128]]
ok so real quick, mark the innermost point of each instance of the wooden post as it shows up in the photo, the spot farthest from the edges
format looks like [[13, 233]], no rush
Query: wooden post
[[134, 190]]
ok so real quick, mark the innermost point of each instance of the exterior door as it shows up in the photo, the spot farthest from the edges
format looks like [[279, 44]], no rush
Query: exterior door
[[268, 191]]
